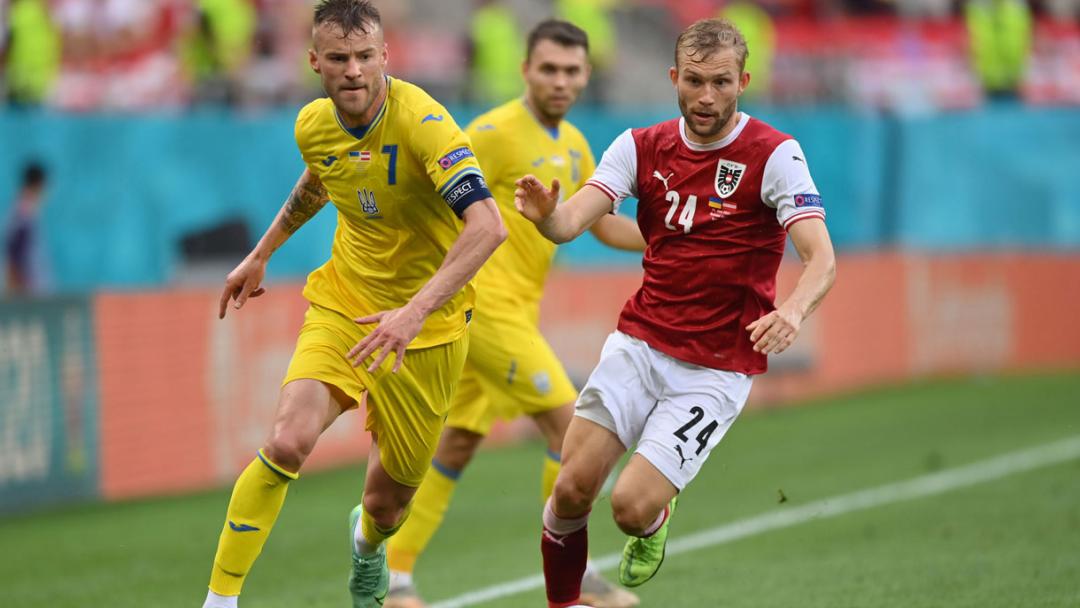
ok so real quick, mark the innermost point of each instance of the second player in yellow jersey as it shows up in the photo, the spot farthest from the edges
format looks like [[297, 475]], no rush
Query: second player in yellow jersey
[[511, 369]]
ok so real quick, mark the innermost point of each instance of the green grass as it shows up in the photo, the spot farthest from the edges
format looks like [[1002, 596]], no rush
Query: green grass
[[1009, 542]]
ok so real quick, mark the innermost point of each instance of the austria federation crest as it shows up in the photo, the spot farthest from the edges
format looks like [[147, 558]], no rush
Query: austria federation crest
[[728, 176]]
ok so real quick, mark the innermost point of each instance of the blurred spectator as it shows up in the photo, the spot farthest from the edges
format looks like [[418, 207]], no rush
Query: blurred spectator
[[279, 72], [1000, 35], [23, 257], [757, 27], [32, 56], [496, 52], [1063, 10], [938, 10], [594, 16], [219, 47], [119, 54]]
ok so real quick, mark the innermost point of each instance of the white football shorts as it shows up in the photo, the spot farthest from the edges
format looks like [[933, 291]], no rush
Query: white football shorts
[[674, 412]]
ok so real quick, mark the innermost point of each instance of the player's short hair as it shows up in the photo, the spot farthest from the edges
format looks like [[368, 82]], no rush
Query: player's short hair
[[349, 15], [560, 32], [704, 38]]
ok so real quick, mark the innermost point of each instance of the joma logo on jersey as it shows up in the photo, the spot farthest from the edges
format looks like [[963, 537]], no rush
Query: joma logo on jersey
[[367, 203], [728, 176]]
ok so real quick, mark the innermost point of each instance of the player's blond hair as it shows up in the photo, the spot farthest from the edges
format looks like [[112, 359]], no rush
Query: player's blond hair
[[704, 38]]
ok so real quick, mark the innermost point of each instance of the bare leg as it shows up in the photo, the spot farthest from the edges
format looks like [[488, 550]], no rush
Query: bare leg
[[640, 494], [305, 409], [589, 453]]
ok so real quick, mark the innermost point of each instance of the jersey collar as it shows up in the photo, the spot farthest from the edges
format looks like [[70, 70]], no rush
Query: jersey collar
[[552, 131], [720, 143], [362, 130]]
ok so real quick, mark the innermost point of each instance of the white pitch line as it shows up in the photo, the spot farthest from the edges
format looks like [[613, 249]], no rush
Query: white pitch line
[[918, 487]]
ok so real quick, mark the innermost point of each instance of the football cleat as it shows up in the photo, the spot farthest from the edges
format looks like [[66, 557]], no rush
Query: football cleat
[[369, 579], [641, 557]]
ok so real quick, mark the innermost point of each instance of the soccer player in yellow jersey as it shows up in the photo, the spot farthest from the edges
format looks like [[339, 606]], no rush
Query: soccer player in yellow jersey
[[511, 369], [388, 314]]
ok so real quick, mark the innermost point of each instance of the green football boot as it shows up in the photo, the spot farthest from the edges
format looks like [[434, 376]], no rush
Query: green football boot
[[641, 557], [369, 579]]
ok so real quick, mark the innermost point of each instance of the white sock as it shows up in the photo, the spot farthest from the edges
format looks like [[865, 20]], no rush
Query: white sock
[[659, 521], [400, 580], [214, 600], [561, 526], [360, 542]]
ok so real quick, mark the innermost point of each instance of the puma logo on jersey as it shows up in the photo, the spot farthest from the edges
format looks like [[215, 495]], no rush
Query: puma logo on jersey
[[682, 456], [436, 118], [657, 175]]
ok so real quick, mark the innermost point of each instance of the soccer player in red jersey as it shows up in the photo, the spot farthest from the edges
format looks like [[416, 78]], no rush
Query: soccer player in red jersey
[[719, 193]]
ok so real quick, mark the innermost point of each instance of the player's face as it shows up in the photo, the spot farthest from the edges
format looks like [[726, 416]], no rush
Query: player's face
[[554, 77], [709, 92], [352, 69]]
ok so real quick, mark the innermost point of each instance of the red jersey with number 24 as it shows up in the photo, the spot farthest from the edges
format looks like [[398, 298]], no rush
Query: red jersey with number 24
[[714, 217]]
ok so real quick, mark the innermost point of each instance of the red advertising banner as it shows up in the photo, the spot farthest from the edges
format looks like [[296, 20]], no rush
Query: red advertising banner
[[186, 399]]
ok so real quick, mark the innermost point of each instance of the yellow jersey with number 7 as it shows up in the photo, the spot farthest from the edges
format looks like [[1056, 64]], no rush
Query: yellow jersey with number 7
[[400, 186]]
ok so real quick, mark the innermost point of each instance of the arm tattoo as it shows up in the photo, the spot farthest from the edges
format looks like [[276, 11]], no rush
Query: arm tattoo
[[306, 199]]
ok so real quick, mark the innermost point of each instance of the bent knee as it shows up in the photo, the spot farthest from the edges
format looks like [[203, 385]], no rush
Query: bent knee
[[632, 516], [457, 447], [288, 451], [572, 495]]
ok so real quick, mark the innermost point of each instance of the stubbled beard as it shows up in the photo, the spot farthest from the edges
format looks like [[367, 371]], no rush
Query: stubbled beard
[[721, 122], [545, 111], [374, 90]]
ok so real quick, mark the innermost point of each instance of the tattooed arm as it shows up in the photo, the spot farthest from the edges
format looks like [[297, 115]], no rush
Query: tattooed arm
[[306, 199]]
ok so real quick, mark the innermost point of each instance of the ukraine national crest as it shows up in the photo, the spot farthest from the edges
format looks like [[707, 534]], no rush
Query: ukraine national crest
[[728, 175]]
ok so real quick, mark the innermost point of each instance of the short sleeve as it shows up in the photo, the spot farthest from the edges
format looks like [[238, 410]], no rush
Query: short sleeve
[[787, 186], [617, 174], [305, 122], [485, 141], [447, 155]]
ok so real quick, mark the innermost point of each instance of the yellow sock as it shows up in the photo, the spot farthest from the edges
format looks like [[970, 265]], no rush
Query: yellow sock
[[374, 534], [552, 464], [256, 501], [429, 507]]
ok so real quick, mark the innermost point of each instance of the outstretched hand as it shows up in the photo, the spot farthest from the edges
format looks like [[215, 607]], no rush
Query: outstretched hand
[[242, 283], [533, 200], [397, 328]]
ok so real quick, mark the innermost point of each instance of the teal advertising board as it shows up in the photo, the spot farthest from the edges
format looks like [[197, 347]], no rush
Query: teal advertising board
[[48, 403]]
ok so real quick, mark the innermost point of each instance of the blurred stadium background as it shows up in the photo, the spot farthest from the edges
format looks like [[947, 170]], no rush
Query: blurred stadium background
[[944, 136]]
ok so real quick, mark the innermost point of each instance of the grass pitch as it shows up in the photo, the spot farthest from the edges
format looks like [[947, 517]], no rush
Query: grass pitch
[[1010, 541]]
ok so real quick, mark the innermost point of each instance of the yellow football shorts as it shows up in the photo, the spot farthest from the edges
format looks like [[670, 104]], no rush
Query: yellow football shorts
[[405, 410], [510, 371]]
